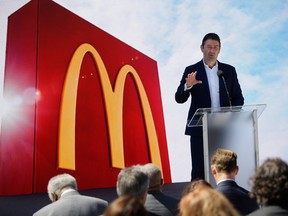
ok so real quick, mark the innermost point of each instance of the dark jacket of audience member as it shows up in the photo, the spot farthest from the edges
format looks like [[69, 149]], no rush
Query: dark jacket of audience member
[[158, 203]]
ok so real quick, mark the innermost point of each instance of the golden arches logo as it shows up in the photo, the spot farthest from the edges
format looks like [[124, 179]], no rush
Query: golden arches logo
[[113, 100]]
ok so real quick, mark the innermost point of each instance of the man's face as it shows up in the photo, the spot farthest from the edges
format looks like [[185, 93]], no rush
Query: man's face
[[210, 50]]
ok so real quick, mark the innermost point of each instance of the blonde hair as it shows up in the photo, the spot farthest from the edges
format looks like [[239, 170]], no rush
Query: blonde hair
[[194, 184], [224, 160], [206, 201], [126, 206]]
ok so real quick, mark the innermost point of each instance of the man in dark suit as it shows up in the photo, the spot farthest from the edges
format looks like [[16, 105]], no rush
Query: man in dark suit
[[270, 187], [225, 169], [157, 202], [203, 82], [66, 201]]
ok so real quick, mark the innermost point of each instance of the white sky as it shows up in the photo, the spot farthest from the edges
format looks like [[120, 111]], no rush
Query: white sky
[[254, 39]]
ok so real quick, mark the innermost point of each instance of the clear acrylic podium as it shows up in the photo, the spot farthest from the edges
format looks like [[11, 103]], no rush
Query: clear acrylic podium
[[234, 128]]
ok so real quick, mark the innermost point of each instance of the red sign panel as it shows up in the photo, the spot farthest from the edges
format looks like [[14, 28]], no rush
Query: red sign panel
[[80, 101]]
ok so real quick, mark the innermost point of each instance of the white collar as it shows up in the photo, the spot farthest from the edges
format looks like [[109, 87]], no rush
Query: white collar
[[228, 179], [66, 191]]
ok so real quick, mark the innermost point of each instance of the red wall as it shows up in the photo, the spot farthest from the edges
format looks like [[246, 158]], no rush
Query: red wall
[[42, 37]]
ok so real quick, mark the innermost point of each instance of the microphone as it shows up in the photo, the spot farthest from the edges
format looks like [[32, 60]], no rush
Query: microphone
[[220, 73]]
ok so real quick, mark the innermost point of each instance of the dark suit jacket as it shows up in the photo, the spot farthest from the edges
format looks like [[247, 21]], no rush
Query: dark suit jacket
[[74, 204], [238, 196], [160, 204], [270, 211], [200, 94]]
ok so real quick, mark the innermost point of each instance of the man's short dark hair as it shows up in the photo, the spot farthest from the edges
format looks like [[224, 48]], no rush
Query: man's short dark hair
[[212, 36]]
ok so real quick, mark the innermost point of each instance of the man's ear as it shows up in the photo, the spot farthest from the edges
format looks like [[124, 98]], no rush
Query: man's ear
[[201, 47], [214, 170], [236, 170], [54, 197], [144, 197]]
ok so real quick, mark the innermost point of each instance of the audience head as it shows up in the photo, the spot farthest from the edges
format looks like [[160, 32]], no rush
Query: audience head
[[224, 164], [155, 177], [206, 201], [133, 181], [58, 184], [126, 206], [270, 183], [194, 184]]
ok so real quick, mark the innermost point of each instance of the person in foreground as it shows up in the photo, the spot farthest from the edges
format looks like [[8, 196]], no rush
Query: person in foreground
[[225, 169], [205, 201], [270, 187], [194, 184], [133, 181], [126, 206], [157, 202], [211, 84], [66, 200]]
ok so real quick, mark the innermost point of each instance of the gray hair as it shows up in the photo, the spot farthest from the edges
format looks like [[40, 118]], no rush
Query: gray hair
[[133, 181], [57, 183], [155, 176]]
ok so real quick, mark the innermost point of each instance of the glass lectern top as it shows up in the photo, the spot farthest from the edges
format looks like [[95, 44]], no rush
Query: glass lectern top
[[198, 115]]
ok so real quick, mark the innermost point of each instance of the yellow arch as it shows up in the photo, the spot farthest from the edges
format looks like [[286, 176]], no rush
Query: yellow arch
[[114, 111]]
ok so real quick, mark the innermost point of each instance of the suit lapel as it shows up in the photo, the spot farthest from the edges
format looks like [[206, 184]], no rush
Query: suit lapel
[[201, 75], [222, 90]]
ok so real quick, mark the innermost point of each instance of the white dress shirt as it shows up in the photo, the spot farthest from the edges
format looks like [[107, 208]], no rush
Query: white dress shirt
[[213, 81]]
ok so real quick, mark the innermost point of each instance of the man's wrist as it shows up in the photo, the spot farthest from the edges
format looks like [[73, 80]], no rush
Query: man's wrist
[[187, 87]]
